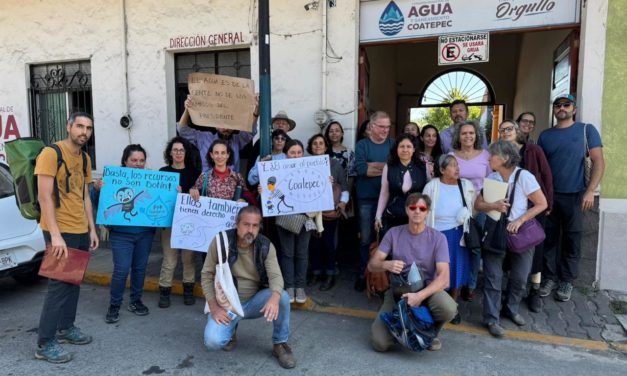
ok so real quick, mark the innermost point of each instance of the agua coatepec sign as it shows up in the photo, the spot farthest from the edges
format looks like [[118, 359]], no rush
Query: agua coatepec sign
[[405, 19]]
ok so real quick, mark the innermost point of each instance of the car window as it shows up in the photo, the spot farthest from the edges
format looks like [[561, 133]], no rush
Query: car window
[[6, 183]]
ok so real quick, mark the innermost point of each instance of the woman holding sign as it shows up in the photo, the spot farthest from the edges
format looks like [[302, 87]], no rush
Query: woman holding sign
[[130, 246], [325, 247], [179, 157], [220, 181], [295, 240]]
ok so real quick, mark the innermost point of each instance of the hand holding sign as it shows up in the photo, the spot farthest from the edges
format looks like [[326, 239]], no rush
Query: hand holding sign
[[221, 101]]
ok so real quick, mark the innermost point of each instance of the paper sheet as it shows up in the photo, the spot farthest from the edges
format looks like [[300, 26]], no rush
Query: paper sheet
[[493, 191]]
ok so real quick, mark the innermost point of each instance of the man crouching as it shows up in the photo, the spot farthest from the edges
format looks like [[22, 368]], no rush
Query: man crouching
[[425, 246], [253, 262]]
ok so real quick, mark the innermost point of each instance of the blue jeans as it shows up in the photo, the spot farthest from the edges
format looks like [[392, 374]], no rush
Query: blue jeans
[[218, 335], [367, 211], [475, 257], [130, 253]]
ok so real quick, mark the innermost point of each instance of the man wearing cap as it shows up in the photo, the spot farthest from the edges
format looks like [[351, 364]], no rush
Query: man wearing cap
[[237, 140], [279, 121], [565, 148]]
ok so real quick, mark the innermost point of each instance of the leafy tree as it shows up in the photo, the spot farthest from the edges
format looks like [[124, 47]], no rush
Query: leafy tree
[[440, 116]]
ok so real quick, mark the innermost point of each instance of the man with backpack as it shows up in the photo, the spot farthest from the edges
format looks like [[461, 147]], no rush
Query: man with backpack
[[66, 221]]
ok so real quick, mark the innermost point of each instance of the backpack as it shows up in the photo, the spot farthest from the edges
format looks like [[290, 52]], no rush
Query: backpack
[[22, 155]]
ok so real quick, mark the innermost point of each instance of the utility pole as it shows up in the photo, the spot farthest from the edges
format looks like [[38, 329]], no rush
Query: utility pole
[[265, 103]]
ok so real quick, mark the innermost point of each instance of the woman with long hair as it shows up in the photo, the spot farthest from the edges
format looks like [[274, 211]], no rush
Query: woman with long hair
[[430, 148]]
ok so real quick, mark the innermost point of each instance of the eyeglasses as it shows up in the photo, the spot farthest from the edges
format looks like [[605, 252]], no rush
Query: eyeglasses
[[506, 130], [527, 121], [562, 105], [178, 151], [413, 207], [280, 138]]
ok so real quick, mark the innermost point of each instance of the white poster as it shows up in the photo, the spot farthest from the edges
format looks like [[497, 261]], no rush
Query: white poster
[[196, 223], [464, 48], [405, 19], [292, 186]]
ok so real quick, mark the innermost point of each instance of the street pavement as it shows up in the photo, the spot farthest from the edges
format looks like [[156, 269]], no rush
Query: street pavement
[[169, 342]]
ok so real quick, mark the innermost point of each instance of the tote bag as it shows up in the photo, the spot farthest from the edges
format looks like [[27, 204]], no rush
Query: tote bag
[[226, 292]]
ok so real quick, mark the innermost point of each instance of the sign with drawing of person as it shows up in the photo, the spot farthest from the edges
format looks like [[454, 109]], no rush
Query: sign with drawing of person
[[297, 185], [136, 197], [196, 223]]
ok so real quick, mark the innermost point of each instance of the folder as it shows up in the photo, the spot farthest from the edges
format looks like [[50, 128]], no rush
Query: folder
[[70, 269]]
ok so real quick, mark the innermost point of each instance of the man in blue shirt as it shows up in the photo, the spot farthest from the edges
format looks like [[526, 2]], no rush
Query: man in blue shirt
[[371, 153], [565, 147]]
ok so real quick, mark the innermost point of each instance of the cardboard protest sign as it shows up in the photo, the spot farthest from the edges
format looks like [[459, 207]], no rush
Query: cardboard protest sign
[[299, 185], [136, 197], [221, 101], [196, 223]]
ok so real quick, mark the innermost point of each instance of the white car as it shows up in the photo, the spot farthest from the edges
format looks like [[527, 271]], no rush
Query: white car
[[21, 240]]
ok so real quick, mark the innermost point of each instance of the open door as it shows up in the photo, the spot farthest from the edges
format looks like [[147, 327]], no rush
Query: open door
[[565, 61], [364, 80]]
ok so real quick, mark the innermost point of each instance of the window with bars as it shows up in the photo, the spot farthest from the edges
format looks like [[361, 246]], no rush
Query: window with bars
[[234, 63], [56, 90]]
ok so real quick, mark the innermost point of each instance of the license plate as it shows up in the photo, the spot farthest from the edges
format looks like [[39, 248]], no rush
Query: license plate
[[7, 260]]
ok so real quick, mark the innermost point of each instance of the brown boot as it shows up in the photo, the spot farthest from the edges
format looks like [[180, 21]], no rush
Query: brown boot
[[283, 353], [188, 294]]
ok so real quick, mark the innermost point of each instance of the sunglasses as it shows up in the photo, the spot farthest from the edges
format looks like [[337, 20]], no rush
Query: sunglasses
[[413, 207], [562, 105]]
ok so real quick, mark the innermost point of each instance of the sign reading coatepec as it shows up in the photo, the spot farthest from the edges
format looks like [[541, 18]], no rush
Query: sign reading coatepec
[[463, 48], [404, 19]]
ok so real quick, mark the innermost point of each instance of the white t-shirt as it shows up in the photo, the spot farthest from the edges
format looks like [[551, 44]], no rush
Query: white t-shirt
[[526, 185], [448, 205]]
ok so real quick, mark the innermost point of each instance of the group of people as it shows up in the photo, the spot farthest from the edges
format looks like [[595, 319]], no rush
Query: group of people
[[419, 193]]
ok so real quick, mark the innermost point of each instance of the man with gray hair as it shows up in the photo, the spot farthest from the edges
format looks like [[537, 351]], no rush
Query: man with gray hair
[[371, 153], [257, 275]]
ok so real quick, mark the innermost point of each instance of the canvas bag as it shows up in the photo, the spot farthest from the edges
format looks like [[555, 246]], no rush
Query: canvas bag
[[226, 292]]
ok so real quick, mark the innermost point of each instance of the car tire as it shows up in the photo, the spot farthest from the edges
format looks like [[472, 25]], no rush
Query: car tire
[[28, 278]]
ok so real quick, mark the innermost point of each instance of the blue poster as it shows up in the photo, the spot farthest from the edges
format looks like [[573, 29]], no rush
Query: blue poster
[[136, 197]]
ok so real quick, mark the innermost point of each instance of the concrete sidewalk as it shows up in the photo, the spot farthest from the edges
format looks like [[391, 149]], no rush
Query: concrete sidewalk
[[585, 321]]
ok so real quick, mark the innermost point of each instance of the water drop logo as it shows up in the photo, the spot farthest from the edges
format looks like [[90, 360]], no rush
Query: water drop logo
[[391, 21]]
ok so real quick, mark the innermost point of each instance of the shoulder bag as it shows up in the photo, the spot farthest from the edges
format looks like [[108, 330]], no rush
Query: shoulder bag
[[291, 222], [529, 235], [472, 238], [226, 292]]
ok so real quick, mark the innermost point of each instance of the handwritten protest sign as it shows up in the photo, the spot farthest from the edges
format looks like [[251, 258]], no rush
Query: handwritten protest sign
[[196, 223], [221, 101], [299, 185], [136, 197]]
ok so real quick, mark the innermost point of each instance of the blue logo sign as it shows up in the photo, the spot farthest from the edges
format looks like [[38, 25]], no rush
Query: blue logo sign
[[391, 21]]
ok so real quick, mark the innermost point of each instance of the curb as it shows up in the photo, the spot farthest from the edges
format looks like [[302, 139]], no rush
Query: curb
[[151, 284]]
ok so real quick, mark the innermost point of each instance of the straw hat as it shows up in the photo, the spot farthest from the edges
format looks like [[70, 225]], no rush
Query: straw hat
[[283, 115]]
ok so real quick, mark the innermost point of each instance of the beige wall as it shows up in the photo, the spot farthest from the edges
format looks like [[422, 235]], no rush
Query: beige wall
[[534, 75]]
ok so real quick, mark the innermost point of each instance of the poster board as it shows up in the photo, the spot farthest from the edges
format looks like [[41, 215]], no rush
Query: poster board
[[196, 223], [221, 101], [136, 197], [298, 185]]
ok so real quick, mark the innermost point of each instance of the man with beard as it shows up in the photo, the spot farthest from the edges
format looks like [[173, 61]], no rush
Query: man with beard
[[67, 222], [565, 146], [257, 275], [237, 140], [459, 113]]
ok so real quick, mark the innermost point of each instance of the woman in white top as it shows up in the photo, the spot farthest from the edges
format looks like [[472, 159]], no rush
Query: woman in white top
[[449, 216], [504, 159]]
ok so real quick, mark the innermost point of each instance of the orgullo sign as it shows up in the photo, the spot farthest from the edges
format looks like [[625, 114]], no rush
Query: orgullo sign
[[406, 19]]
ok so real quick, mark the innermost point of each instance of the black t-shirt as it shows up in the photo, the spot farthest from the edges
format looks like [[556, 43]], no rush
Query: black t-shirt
[[188, 176]]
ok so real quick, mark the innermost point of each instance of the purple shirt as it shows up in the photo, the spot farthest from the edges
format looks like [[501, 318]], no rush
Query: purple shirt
[[203, 139], [425, 249], [475, 169]]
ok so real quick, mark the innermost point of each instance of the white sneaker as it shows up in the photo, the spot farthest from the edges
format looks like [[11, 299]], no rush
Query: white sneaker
[[301, 297], [290, 293]]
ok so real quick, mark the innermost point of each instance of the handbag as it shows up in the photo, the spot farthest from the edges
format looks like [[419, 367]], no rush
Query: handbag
[[472, 238], [396, 208], [291, 222], [529, 235], [495, 231], [226, 292], [376, 282]]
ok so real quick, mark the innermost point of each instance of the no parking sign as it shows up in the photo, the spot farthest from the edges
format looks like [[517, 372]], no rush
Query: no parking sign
[[463, 48]]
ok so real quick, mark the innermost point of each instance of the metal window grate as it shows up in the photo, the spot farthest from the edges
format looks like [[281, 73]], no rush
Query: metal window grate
[[56, 90]]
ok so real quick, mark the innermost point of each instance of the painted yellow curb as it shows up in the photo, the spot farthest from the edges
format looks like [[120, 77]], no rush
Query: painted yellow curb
[[152, 284]]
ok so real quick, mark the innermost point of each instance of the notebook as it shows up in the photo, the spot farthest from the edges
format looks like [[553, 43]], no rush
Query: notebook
[[70, 269]]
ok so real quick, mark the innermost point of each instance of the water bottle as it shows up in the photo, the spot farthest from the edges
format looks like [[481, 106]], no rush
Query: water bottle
[[414, 278], [238, 193]]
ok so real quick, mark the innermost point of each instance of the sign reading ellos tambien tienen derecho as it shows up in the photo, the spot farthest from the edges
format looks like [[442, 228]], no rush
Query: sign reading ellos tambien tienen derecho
[[463, 48], [406, 19]]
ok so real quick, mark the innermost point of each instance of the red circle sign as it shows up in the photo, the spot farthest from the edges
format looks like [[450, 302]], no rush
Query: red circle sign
[[450, 52]]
